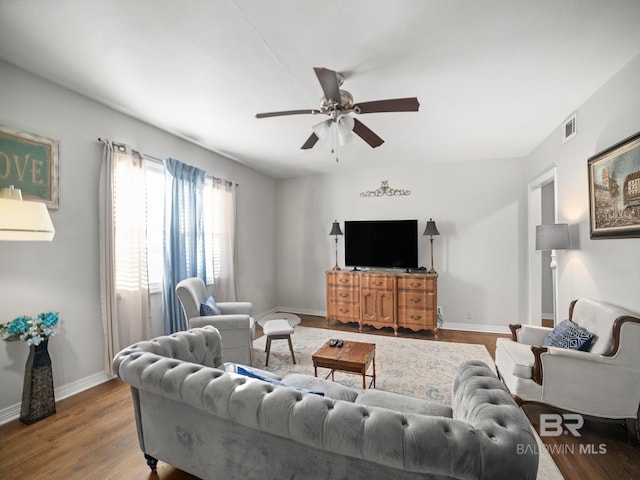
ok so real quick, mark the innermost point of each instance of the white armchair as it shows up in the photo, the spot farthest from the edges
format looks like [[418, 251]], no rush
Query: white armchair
[[236, 324], [602, 382]]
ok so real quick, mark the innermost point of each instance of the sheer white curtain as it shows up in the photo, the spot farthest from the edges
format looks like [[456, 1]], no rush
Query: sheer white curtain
[[124, 286], [220, 228]]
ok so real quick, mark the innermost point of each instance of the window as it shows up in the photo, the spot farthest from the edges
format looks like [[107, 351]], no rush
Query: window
[[155, 224], [217, 202], [219, 226]]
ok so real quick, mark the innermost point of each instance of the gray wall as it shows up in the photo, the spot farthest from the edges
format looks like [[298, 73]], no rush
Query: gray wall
[[284, 247], [63, 275], [605, 269], [481, 211], [479, 208]]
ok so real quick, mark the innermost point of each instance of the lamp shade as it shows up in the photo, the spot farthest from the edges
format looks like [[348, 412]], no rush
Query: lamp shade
[[335, 229], [552, 237], [322, 129], [22, 220], [345, 126], [431, 228]]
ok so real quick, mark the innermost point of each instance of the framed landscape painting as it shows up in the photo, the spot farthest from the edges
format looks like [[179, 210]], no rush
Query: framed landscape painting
[[29, 162], [614, 190]]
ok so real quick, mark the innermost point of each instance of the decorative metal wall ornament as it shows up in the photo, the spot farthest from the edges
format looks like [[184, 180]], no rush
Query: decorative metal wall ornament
[[385, 190]]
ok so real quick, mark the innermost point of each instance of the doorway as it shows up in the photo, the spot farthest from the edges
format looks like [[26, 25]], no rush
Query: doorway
[[548, 206], [541, 210]]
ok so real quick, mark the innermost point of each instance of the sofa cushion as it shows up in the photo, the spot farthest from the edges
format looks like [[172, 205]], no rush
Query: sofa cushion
[[330, 389], [209, 307], [569, 335], [513, 358], [281, 383], [402, 403]]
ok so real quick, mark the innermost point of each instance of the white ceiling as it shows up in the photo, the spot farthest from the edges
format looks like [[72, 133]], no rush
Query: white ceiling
[[493, 77]]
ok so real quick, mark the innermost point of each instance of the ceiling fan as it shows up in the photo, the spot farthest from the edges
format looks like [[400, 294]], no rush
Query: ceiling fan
[[338, 105]]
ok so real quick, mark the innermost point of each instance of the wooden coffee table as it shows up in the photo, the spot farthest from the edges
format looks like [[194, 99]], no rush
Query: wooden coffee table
[[352, 357]]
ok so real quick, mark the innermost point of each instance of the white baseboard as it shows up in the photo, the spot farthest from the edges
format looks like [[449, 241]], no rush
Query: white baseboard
[[303, 311], [473, 327], [470, 327], [13, 411]]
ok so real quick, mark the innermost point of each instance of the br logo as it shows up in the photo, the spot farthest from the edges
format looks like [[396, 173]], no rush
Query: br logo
[[555, 424]]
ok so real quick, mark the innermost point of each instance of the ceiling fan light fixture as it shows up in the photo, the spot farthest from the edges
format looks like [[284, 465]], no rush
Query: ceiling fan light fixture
[[322, 129], [345, 129], [338, 105]]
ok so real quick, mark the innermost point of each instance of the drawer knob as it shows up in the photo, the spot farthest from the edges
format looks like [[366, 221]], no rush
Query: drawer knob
[[344, 295], [416, 317], [344, 310], [415, 300], [416, 284]]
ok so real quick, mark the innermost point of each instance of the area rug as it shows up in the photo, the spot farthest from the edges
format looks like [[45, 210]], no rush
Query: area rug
[[414, 367]]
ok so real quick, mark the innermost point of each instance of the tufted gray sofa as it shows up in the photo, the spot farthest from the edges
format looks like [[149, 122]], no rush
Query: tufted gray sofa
[[215, 424]]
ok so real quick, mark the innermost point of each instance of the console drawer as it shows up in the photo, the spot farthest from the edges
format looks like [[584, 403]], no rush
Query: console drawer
[[343, 279], [345, 295], [409, 316], [416, 282], [343, 311], [416, 300], [378, 282]]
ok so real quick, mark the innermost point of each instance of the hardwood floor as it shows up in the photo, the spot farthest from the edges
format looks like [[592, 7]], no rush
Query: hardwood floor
[[93, 435]]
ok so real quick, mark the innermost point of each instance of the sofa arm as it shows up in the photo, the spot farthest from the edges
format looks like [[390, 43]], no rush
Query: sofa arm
[[222, 322], [236, 308], [483, 401], [591, 384], [576, 354], [199, 345], [540, 362], [529, 334]]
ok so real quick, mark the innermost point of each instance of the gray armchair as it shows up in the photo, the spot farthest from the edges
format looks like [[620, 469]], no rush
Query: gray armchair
[[236, 324]]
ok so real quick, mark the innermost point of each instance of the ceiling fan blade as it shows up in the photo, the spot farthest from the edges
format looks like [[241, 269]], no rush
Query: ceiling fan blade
[[308, 111], [311, 141], [366, 134], [329, 83], [393, 105]]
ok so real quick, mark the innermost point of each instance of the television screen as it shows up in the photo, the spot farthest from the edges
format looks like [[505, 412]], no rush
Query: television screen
[[381, 243]]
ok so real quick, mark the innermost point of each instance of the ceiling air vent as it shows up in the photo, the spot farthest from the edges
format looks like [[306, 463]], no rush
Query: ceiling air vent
[[569, 128]]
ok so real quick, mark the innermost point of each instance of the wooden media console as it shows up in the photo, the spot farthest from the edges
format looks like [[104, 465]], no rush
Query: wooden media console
[[383, 299]]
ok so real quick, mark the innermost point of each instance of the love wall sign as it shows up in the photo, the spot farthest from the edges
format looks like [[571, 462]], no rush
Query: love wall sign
[[29, 162]]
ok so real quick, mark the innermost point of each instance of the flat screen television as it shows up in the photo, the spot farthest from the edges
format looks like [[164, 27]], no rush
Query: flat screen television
[[381, 243]]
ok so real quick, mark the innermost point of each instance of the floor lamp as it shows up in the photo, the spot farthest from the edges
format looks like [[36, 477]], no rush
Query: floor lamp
[[550, 238], [335, 230]]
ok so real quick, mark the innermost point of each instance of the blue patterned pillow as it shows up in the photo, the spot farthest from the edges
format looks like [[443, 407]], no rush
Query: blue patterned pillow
[[209, 308], [569, 335], [251, 374]]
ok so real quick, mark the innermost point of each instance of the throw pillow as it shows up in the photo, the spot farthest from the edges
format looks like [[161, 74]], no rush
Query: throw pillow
[[250, 374], [209, 308], [569, 335]]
